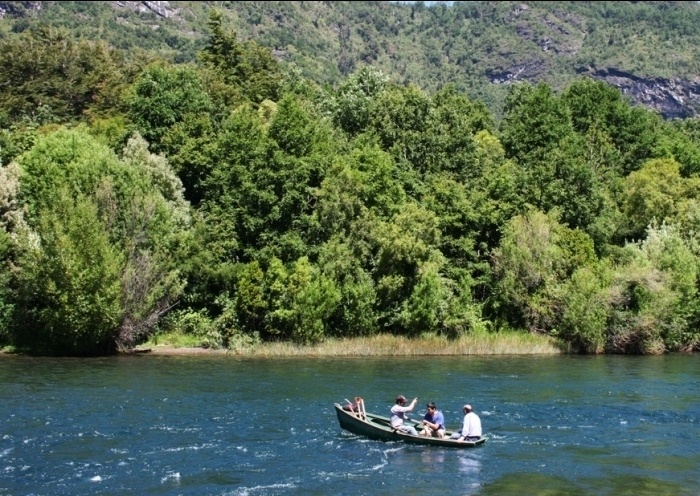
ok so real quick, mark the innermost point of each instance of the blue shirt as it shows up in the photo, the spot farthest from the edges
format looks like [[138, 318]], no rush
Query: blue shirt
[[436, 418]]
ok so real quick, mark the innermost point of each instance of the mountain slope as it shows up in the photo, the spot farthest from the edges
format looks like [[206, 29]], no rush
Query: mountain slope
[[651, 50]]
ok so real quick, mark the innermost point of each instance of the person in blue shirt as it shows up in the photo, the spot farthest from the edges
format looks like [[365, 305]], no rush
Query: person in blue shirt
[[433, 422]]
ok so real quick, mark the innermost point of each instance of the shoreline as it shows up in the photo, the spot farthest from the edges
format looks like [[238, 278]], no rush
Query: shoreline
[[482, 344], [169, 350], [386, 345]]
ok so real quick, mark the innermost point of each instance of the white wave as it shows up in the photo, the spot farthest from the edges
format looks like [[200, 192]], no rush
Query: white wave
[[187, 448], [96, 478], [392, 450], [172, 476], [247, 491]]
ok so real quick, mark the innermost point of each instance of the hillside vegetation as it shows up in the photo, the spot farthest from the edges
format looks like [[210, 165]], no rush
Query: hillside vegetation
[[648, 49], [233, 200]]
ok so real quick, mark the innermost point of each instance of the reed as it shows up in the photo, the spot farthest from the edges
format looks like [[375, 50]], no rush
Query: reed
[[500, 343]]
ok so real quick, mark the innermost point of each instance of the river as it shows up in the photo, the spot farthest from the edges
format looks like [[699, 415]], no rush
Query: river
[[218, 425]]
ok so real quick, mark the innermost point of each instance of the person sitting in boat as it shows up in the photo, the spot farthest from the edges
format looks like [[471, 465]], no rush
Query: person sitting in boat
[[471, 428], [433, 422], [353, 407], [398, 415]]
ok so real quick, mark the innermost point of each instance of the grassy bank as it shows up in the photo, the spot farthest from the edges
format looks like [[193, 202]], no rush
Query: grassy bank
[[500, 343]]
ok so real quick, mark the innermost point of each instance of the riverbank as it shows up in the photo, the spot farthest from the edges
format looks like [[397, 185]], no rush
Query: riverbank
[[500, 343]]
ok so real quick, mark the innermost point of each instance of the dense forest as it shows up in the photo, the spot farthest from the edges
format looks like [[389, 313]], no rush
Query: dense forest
[[650, 50], [236, 199]]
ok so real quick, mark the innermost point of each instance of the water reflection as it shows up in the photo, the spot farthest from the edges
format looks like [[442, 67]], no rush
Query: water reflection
[[433, 459], [469, 465]]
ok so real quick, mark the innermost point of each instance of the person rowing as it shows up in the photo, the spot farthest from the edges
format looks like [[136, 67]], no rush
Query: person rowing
[[398, 415]]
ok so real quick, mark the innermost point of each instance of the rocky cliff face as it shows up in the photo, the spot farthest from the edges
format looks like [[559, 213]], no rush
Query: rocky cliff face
[[161, 9], [672, 98], [17, 9]]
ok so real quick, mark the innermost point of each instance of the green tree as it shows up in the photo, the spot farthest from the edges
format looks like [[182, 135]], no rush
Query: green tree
[[96, 219], [245, 65], [536, 257], [655, 296], [404, 244], [69, 286], [633, 132], [261, 191], [163, 96], [48, 76], [351, 106], [341, 260], [652, 194], [535, 123], [587, 308]]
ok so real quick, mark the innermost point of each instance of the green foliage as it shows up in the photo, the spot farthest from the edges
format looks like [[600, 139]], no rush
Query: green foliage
[[246, 65], [188, 146], [98, 257], [425, 309], [400, 117], [6, 307], [404, 244], [261, 188], [48, 76], [531, 265], [315, 299], [681, 142], [670, 253], [652, 194], [535, 123], [655, 297], [296, 212], [14, 141], [164, 96], [587, 308], [341, 260], [477, 46], [292, 303], [352, 105], [68, 297]]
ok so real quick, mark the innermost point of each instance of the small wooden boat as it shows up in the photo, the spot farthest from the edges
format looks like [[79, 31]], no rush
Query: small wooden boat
[[378, 427]]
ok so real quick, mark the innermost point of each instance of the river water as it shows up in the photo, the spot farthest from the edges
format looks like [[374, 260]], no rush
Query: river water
[[216, 425]]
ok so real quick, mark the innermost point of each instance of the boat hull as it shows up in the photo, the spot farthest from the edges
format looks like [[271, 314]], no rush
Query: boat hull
[[379, 428]]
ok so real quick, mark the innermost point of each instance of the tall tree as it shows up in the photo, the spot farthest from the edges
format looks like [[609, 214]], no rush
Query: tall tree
[[48, 76], [164, 96], [97, 260], [245, 65]]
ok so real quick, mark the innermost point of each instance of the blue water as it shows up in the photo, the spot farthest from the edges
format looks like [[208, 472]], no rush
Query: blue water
[[227, 426]]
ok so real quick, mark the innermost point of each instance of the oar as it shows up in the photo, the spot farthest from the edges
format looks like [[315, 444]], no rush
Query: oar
[[416, 423]]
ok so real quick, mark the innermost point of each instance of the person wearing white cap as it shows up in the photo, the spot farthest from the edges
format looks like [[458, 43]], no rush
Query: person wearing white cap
[[471, 428]]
